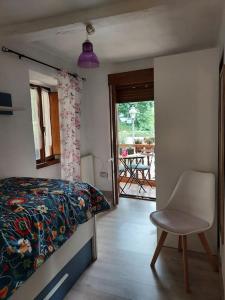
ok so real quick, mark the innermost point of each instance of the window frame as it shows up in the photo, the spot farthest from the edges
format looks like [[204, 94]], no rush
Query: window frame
[[49, 160]]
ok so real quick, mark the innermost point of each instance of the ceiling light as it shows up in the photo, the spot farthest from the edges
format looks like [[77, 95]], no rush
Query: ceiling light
[[88, 58]]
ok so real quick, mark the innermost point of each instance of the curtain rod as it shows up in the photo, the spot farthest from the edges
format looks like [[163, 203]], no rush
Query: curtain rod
[[20, 55]]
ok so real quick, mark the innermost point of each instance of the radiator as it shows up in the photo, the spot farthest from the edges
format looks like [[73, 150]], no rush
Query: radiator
[[87, 169]]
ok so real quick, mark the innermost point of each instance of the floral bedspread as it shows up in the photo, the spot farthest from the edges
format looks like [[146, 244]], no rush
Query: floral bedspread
[[36, 217]]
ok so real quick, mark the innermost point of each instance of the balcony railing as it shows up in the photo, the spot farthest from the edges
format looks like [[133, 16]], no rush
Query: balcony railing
[[138, 148]]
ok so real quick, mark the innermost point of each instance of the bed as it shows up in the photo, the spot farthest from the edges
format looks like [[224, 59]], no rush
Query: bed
[[47, 235]]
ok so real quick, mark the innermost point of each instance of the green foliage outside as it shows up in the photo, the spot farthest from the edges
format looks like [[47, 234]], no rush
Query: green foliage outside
[[144, 121]]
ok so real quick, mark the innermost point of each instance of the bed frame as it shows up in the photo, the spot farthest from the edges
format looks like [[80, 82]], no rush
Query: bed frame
[[59, 273]]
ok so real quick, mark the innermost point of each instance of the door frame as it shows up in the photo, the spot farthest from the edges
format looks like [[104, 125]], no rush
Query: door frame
[[114, 143], [144, 80], [221, 151]]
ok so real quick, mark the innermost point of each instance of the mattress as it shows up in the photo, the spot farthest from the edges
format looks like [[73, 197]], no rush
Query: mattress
[[37, 216]]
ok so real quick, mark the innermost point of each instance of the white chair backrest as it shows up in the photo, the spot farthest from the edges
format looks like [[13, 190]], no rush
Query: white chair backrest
[[195, 194]]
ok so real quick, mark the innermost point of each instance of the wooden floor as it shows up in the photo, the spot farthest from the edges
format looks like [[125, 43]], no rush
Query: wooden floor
[[126, 241]]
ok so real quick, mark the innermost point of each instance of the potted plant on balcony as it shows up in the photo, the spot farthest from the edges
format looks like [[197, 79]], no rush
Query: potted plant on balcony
[[150, 143], [130, 150], [138, 145]]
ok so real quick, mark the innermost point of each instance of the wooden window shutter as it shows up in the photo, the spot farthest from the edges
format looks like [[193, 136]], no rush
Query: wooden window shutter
[[54, 110], [135, 92], [133, 86]]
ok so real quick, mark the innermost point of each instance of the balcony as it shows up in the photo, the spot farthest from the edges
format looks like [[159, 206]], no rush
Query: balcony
[[137, 170]]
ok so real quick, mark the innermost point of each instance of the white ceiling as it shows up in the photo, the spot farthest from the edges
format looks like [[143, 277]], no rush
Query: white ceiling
[[19, 11], [163, 28]]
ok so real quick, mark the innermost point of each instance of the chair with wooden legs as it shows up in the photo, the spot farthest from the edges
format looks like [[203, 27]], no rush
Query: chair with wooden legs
[[190, 210]]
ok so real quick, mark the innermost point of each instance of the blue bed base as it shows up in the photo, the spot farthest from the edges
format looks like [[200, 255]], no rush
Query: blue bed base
[[67, 277]]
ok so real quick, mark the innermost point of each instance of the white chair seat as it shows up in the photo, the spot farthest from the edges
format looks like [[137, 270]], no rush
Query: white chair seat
[[178, 222], [190, 209]]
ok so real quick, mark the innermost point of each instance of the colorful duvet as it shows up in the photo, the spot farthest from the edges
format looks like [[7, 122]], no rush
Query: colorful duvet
[[36, 217]]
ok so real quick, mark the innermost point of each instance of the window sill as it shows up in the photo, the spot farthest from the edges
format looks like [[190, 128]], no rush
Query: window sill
[[48, 163]]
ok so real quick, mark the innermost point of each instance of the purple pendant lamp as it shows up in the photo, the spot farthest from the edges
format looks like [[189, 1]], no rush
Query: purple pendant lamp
[[88, 58]]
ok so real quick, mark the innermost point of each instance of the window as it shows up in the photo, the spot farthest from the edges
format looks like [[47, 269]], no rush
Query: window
[[45, 119]]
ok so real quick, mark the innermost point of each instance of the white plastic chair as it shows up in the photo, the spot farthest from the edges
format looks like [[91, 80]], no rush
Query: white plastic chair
[[190, 209]]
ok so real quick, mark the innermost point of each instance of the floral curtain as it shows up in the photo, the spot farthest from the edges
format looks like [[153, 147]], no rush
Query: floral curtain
[[69, 92]]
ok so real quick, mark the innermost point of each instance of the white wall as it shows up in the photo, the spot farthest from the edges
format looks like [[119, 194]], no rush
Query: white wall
[[17, 146], [95, 116], [17, 153], [186, 94], [186, 119], [186, 101], [95, 138]]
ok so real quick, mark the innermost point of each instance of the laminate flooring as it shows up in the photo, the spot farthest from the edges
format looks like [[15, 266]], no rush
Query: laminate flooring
[[126, 242]]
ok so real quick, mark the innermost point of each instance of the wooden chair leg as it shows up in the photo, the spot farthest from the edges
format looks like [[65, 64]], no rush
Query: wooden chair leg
[[180, 243], [185, 263], [158, 248], [208, 251]]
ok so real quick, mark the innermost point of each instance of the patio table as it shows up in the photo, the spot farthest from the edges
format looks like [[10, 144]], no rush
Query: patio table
[[132, 168]]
